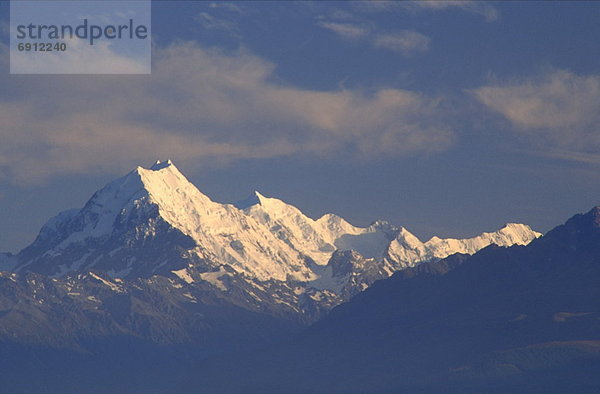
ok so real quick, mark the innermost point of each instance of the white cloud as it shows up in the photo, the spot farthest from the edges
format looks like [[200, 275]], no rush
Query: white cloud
[[405, 41], [202, 107], [562, 154], [211, 22], [560, 107], [222, 16], [485, 9], [346, 30], [557, 100], [226, 6]]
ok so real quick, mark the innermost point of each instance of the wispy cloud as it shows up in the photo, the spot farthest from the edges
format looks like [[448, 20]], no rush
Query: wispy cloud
[[222, 16], [558, 107], [346, 30], [204, 107], [403, 41], [488, 11], [231, 7], [210, 22], [485, 9], [557, 99], [568, 155], [406, 41]]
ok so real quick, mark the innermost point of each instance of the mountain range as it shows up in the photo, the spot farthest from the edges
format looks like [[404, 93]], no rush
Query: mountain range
[[152, 275], [261, 254], [524, 319]]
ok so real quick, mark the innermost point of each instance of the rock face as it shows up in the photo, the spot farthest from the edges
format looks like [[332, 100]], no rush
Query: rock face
[[61, 312], [152, 235]]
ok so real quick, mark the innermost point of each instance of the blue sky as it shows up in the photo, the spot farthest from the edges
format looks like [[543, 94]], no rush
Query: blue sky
[[448, 118]]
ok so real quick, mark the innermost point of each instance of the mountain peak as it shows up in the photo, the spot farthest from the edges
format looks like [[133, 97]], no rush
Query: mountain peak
[[582, 223], [512, 225], [265, 237], [522, 234], [163, 181], [159, 165], [255, 198]]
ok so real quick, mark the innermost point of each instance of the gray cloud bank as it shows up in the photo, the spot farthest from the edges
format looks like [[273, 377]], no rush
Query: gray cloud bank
[[558, 108], [200, 105]]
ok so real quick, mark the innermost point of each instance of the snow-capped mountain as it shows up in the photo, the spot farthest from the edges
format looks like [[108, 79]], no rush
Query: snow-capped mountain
[[316, 239], [408, 250], [155, 222], [160, 210], [519, 320]]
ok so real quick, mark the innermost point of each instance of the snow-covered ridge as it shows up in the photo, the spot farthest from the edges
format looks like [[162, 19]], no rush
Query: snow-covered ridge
[[262, 238], [409, 250]]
